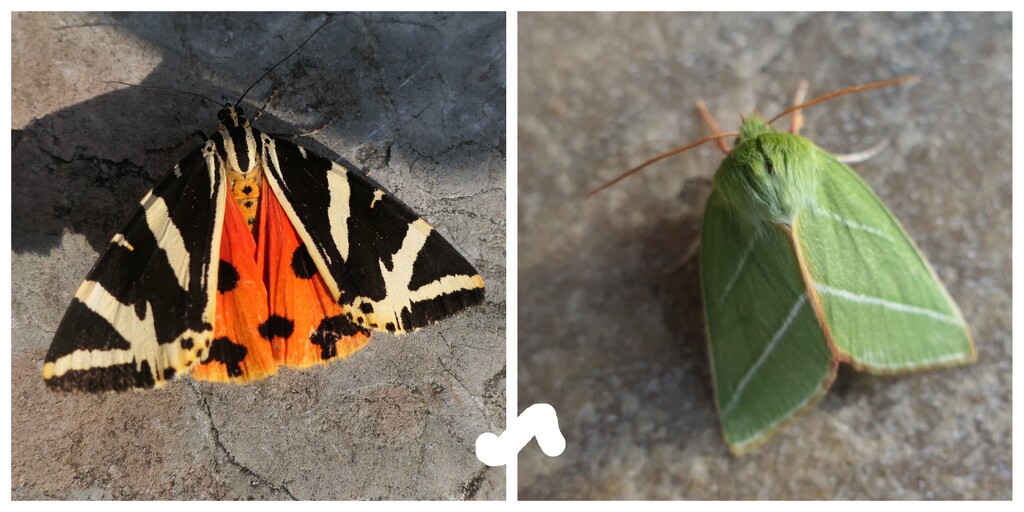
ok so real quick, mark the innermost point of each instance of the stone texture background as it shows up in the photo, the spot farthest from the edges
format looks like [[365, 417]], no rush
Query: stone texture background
[[615, 340], [417, 99]]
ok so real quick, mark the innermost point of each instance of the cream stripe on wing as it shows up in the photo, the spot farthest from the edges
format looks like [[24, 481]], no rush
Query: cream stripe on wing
[[851, 224], [168, 238], [739, 269], [447, 284], [338, 210], [396, 282], [887, 304], [210, 277], [210, 154], [229, 150], [399, 296], [764, 355], [250, 150], [139, 333], [936, 361]]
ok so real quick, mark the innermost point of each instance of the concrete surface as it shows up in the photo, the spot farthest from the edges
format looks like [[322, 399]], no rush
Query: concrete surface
[[614, 339], [418, 99]]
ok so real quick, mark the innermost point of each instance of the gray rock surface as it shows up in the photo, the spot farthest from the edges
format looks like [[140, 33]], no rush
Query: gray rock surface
[[417, 99], [613, 337]]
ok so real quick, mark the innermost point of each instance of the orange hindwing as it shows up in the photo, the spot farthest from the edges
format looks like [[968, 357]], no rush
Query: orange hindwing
[[273, 307]]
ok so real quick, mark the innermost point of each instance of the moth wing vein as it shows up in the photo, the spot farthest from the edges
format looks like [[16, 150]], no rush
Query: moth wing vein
[[886, 304], [769, 348]]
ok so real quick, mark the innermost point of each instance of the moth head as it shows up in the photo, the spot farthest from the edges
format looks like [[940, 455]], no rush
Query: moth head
[[239, 146], [769, 176], [231, 117]]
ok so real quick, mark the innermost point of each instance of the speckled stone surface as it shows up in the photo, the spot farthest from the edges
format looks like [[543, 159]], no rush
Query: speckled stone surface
[[417, 99], [614, 338]]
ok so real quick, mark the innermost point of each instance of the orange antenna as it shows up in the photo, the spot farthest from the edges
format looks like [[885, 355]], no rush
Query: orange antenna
[[659, 158], [844, 92]]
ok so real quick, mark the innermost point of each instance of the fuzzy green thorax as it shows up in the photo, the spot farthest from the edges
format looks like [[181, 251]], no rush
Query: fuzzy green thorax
[[769, 176]]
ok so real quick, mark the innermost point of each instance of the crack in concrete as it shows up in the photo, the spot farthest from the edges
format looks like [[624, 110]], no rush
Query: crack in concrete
[[215, 434], [122, 169], [436, 157], [457, 197], [472, 486], [473, 398], [376, 63], [494, 396]]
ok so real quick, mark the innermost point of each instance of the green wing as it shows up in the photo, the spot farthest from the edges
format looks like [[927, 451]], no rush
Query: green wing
[[768, 352], [884, 307]]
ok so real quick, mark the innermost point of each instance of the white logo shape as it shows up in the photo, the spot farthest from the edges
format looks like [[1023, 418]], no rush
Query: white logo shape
[[537, 420]]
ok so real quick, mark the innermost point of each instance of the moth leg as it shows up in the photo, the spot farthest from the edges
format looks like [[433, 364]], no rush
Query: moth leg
[[273, 95], [688, 255], [320, 128], [713, 124], [694, 246], [292, 137], [860, 156], [797, 121]]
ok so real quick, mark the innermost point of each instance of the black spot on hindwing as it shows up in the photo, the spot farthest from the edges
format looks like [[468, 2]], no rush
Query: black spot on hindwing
[[276, 326], [229, 353], [302, 263], [328, 333], [227, 277]]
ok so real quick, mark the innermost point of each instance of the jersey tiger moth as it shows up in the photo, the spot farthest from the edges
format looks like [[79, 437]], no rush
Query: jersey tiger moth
[[251, 254]]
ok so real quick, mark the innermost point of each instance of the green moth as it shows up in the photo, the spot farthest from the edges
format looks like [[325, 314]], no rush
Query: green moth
[[803, 267]]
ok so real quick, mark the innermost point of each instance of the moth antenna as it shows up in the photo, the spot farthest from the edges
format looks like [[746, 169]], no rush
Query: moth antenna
[[843, 92], [166, 89], [660, 158], [267, 72]]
